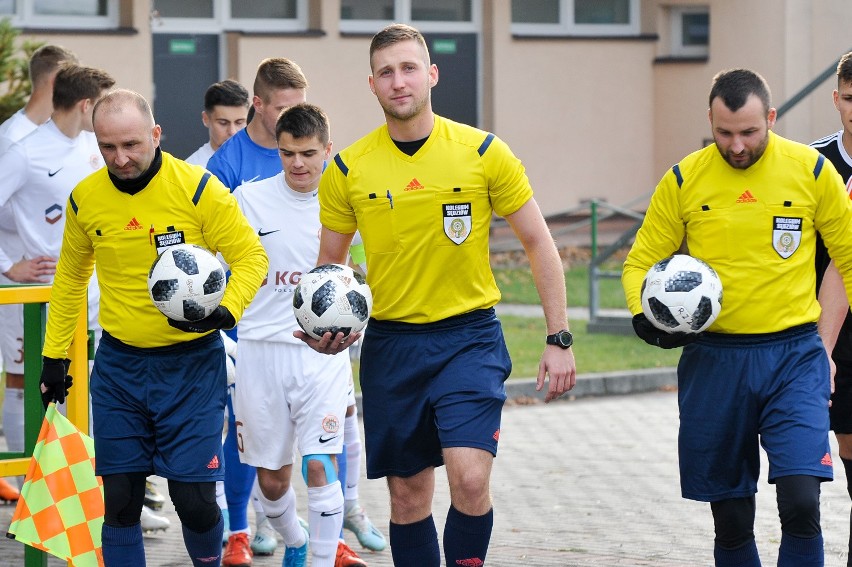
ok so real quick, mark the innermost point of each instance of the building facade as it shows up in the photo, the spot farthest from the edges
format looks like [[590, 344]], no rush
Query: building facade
[[597, 97]]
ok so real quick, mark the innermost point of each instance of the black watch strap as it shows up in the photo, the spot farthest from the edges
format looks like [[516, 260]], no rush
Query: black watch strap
[[562, 339]]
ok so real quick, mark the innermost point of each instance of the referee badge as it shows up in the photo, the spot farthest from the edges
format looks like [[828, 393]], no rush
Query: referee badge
[[457, 221], [786, 235]]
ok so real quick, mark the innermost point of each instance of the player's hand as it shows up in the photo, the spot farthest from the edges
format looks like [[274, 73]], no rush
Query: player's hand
[[657, 337], [559, 364], [832, 370], [221, 318], [55, 381], [34, 270], [328, 344]]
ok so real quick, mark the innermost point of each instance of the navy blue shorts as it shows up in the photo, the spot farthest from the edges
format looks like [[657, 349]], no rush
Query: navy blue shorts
[[159, 410], [737, 392], [426, 387]]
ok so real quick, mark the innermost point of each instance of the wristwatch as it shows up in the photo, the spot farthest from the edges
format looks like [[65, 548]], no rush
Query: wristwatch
[[562, 339]]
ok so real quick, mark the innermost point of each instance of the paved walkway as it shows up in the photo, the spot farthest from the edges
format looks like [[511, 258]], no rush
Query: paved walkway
[[590, 481]]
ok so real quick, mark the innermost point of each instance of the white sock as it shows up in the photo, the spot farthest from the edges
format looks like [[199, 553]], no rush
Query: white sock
[[255, 502], [352, 442], [325, 517], [13, 423], [220, 495], [282, 516], [13, 419]]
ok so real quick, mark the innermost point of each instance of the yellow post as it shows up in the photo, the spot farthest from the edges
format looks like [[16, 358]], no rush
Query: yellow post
[[77, 403]]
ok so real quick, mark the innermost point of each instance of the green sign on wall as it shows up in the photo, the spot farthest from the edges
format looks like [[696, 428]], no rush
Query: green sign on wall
[[445, 46], [183, 46]]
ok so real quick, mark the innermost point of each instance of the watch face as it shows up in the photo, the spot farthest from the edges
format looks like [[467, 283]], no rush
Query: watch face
[[562, 339]]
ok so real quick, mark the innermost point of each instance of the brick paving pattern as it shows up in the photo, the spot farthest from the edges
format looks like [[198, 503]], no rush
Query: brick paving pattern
[[592, 481]]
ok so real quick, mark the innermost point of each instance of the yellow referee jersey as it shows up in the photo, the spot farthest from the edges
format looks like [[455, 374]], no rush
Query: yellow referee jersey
[[756, 227], [425, 218], [117, 232]]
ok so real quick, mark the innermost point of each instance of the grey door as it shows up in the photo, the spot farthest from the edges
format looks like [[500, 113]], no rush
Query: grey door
[[456, 96], [184, 66]]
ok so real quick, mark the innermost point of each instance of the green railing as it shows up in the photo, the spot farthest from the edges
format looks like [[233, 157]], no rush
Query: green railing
[[34, 300]]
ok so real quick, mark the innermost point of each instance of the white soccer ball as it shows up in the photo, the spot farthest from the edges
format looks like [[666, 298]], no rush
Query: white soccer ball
[[332, 298], [186, 282], [681, 294]]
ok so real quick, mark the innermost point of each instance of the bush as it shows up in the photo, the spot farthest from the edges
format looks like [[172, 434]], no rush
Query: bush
[[15, 84]]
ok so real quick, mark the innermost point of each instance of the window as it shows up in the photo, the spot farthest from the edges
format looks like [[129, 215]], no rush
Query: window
[[690, 31], [575, 17], [214, 15], [368, 16], [61, 13], [285, 10], [184, 8]]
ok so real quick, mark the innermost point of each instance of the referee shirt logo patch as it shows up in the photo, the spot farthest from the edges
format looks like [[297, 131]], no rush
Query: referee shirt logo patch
[[786, 235], [457, 221]]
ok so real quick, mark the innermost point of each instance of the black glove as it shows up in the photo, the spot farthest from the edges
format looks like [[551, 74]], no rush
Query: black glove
[[221, 318], [657, 337], [55, 381]]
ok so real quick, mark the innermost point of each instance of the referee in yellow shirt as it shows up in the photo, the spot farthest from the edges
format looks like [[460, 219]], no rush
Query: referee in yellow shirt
[[750, 205], [421, 190], [158, 386]]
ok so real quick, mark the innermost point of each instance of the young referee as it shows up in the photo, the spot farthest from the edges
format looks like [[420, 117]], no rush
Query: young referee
[[421, 191]]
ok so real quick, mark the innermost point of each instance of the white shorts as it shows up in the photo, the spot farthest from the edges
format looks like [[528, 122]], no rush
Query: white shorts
[[287, 393], [350, 396], [12, 337], [12, 327]]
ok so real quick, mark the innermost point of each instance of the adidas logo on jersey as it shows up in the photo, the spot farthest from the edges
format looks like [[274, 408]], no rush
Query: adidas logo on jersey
[[214, 462], [133, 224], [747, 197], [413, 185]]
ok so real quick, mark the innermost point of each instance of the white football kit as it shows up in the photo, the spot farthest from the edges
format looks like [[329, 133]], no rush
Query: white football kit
[[39, 172], [289, 389], [201, 156], [11, 333], [17, 126]]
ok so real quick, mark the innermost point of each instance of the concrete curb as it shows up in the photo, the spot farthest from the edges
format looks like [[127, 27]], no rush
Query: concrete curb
[[620, 382], [602, 383]]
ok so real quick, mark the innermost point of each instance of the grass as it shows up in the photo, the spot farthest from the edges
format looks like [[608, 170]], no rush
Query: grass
[[593, 352], [516, 285]]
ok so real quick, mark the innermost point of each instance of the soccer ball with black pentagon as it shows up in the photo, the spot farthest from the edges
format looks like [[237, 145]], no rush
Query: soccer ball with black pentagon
[[186, 282], [681, 294], [332, 298]]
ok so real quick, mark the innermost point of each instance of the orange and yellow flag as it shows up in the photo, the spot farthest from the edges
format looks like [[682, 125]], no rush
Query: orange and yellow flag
[[61, 507]]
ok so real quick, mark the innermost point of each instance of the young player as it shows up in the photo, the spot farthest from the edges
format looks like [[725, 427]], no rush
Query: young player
[[434, 354], [40, 170], [837, 148], [44, 63], [225, 112], [158, 386], [750, 205], [294, 391], [251, 155], [226, 107]]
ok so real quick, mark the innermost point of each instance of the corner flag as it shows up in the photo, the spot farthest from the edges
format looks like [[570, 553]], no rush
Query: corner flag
[[61, 507]]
